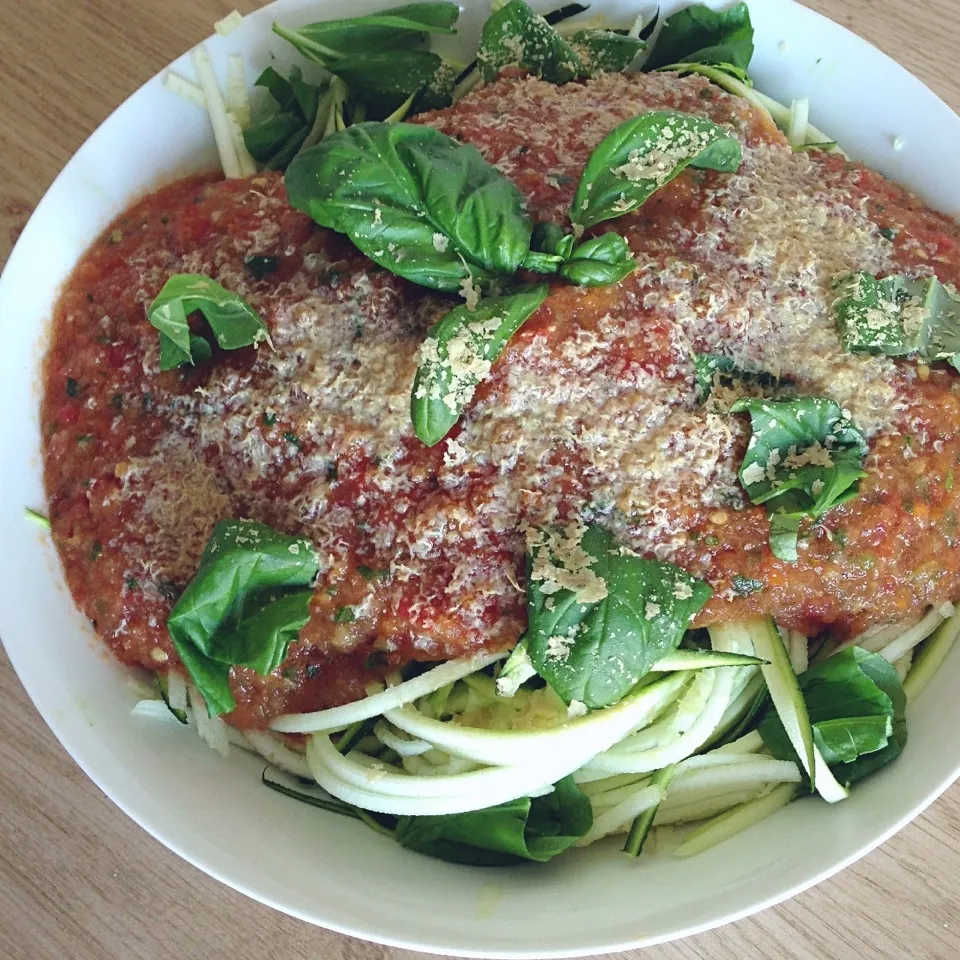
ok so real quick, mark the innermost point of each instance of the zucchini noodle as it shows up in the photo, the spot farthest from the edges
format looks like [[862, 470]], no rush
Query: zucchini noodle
[[445, 742]]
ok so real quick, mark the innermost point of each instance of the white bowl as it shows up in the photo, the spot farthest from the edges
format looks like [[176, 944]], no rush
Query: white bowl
[[333, 872]]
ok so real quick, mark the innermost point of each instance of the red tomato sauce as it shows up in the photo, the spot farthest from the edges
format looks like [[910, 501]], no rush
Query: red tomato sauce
[[383, 508]]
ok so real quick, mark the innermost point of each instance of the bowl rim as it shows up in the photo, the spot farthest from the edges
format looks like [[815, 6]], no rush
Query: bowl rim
[[73, 741]]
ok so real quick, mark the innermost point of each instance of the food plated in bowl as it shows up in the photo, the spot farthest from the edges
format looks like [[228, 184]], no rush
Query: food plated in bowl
[[681, 590]]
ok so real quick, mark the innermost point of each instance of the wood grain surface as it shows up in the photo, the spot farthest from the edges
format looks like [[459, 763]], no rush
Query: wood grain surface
[[79, 880]]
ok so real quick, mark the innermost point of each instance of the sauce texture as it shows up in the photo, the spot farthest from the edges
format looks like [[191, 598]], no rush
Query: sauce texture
[[592, 412]]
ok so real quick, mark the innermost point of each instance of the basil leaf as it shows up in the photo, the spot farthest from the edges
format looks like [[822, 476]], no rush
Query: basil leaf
[[405, 26], [702, 35], [708, 368], [713, 371], [274, 140], [458, 354], [603, 51], [277, 134], [857, 707], [512, 832], [643, 154], [599, 617], [250, 596], [383, 80], [416, 202], [438, 90], [516, 35], [548, 263], [599, 261], [233, 321], [897, 316], [553, 17], [551, 238], [804, 457], [294, 95]]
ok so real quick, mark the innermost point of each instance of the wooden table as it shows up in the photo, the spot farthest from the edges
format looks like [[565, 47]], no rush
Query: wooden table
[[78, 879]]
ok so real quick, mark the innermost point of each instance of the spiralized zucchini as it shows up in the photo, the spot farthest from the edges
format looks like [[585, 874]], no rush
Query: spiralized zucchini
[[447, 743]]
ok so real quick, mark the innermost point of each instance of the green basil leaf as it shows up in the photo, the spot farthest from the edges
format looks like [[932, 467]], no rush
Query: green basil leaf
[[172, 355], [643, 154], [292, 96], [713, 371], [405, 26], [702, 35], [307, 95], [458, 354], [603, 51], [857, 707], [281, 90], [416, 202], [548, 263], [897, 316], [551, 238], [516, 35], [276, 134], [250, 596], [233, 321], [599, 261], [566, 12], [210, 677], [601, 617], [804, 457], [437, 93], [383, 80], [512, 832], [708, 368], [276, 137]]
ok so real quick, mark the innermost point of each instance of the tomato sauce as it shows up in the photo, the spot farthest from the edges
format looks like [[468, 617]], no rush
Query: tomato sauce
[[293, 436]]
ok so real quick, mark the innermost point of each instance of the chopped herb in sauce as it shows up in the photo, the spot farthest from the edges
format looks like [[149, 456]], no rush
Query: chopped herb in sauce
[[259, 266], [291, 437], [369, 573], [744, 586], [73, 388], [345, 615], [96, 550]]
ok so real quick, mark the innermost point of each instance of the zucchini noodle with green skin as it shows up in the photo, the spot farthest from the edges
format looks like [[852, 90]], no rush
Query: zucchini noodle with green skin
[[439, 747]]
